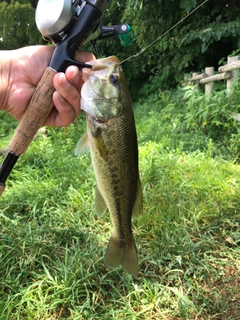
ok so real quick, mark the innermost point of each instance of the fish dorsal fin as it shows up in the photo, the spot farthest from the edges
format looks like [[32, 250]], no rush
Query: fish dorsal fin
[[138, 203], [100, 204], [82, 145]]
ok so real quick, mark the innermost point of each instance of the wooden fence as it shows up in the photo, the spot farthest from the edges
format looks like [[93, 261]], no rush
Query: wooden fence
[[228, 72]]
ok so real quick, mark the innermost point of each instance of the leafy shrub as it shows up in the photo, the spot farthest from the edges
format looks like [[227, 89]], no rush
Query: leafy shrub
[[214, 115], [190, 120]]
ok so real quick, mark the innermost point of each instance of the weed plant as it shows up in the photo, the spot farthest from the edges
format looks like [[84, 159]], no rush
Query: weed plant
[[52, 244]]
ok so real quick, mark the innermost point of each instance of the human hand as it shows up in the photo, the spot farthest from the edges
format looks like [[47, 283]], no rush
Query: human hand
[[21, 71]]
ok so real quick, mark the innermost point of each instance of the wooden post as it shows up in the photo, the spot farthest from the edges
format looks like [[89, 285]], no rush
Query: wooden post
[[234, 74], [196, 82], [209, 86], [228, 72]]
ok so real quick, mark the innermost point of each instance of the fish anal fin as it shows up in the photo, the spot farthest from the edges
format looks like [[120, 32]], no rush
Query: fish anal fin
[[82, 145], [122, 253], [138, 203], [100, 204]]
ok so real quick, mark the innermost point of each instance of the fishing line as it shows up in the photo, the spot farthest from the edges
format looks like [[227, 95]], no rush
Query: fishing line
[[175, 25]]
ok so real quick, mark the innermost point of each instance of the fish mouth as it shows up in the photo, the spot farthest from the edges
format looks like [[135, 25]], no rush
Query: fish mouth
[[103, 63], [98, 120], [102, 122], [100, 67]]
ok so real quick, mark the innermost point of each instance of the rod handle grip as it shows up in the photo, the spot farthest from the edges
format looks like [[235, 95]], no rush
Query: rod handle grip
[[35, 114], [2, 187]]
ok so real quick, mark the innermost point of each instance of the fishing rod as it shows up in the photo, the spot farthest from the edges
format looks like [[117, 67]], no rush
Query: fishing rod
[[68, 24], [162, 35]]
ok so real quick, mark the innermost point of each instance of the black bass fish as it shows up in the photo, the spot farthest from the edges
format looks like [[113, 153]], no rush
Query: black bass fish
[[111, 135]]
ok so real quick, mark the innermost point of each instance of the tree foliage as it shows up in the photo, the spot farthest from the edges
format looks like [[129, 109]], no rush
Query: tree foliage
[[17, 24], [204, 38]]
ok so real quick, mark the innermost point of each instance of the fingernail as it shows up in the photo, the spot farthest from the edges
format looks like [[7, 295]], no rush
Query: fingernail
[[76, 76], [63, 81]]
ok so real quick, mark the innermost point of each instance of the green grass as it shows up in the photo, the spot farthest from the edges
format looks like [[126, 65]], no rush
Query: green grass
[[52, 244]]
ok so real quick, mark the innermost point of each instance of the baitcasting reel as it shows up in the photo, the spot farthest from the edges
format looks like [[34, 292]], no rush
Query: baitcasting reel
[[56, 18]]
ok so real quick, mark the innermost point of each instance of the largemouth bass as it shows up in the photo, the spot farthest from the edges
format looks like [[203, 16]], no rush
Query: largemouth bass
[[111, 135]]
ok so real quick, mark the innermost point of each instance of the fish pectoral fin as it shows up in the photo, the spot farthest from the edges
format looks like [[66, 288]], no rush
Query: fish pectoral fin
[[124, 253], [101, 146], [100, 204], [82, 145], [138, 203]]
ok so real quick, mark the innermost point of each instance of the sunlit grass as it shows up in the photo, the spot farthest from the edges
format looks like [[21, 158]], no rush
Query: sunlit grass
[[52, 244]]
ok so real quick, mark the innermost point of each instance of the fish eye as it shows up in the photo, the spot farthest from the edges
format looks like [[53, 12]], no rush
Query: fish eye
[[114, 79]]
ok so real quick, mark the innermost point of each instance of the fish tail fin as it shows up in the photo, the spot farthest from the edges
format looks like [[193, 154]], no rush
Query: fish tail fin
[[125, 253]]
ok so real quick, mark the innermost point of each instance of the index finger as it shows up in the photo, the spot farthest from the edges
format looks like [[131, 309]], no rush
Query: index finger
[[84, 56]]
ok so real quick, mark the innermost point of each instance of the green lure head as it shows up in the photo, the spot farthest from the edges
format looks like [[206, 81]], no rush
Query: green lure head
[[127, 38]]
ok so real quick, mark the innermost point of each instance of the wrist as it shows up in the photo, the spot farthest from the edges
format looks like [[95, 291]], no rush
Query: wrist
[[5, 69]]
